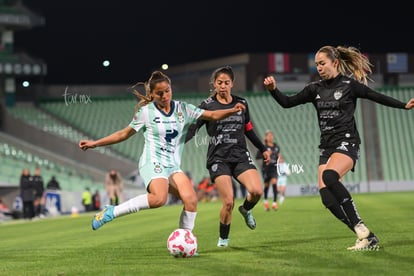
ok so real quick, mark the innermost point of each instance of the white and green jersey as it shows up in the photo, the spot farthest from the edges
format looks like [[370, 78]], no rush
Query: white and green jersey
[[164, 133]]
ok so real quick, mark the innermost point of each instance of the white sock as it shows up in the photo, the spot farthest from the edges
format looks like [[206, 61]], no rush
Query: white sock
[[281, 199], [132, 206], [187, 220]]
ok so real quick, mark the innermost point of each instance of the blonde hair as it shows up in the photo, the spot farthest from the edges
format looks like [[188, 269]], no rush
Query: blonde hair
[[351, 62], [156, 77]]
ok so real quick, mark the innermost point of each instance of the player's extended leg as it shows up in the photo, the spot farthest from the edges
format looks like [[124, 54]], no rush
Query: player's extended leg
[[330, 201], [338, 165], [225, 191], [251, 180], [157, 197], [181, 185]]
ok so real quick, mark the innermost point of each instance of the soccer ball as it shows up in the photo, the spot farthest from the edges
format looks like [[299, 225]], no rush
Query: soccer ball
[[182, 243]]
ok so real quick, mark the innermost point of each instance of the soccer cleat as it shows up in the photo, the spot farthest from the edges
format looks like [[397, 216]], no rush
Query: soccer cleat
[[361, 230], [104, 216], [367, 244], [223, 242], [274, 206], [248, 217], [266, 205]]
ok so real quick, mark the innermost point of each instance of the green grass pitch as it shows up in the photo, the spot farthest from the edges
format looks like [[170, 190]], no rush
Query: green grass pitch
[[301, 238]]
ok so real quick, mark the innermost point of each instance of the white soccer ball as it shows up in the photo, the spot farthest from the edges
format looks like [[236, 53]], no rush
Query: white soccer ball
[[182, 243]]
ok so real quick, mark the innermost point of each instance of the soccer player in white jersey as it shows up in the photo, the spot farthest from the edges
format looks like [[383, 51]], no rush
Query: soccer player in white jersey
[[164, 123]]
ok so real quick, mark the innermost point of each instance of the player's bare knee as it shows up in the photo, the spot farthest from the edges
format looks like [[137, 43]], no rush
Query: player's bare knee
[[330, 177], [190, 202], [228, 205], [159, 201], [256, 193]]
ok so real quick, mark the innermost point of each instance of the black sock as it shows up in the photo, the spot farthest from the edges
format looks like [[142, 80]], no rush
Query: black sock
[[247, 205], [345, 199], [274, 187], [265, 192], [224, 230], [330, 202]]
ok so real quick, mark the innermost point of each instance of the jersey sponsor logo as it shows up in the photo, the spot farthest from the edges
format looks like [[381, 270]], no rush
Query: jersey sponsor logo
[[328, 104], [170, 134], [158, 121], [337, 94]]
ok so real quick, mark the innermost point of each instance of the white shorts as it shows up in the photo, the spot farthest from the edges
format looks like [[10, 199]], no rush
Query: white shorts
[[282, 180]]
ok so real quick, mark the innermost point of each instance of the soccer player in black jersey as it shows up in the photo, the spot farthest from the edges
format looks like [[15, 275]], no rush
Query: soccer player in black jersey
[[227, 154], [269, 170], [344, 77]]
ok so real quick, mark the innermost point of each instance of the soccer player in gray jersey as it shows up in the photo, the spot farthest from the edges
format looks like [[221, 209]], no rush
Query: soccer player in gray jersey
[[344, 77], [227, 154], [164, 123]]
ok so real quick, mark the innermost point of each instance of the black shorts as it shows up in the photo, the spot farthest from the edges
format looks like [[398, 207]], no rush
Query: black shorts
[[229, 168], [347, 148], [268, 173]]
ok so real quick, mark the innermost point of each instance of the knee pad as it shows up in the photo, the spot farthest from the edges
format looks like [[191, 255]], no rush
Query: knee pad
[[330, 177]]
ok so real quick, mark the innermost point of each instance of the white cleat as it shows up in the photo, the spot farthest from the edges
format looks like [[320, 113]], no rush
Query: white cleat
[[361, 230], [223, 242], [367, 244]]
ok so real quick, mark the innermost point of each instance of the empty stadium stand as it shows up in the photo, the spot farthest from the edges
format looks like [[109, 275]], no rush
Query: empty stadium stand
[[296, 130]]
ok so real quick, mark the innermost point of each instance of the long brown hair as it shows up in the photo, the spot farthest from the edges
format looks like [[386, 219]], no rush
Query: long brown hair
[[351, 62], [156, 77]]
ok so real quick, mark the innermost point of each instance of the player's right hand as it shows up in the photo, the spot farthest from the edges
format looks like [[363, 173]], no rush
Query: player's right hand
[[85, 144], [270, 83]]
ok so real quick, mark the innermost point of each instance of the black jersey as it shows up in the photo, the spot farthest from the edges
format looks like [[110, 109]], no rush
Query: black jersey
[[275, 151], [335, 102], [227, 136]]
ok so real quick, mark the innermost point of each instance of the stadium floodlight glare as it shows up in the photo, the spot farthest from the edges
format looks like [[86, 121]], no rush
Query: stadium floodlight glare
[[106, 63]]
